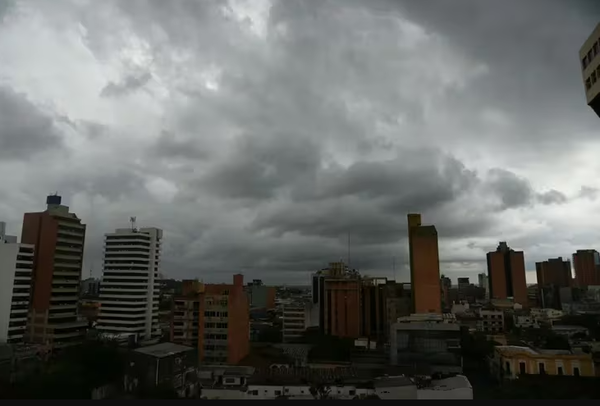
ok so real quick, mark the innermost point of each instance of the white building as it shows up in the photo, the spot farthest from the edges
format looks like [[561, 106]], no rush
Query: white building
[[129, 291], [296, 318], [16, 265]]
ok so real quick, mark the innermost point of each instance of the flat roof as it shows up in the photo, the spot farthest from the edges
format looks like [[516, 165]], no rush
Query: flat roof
[[163, 349], [392, 381], [454, 382]]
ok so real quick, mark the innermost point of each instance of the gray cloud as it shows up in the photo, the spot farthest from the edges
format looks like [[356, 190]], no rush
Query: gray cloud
[[129, 84], [268, 135], [24, 129]]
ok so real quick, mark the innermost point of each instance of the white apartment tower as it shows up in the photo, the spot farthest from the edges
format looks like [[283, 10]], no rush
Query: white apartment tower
[[129, 291], [16, 266]]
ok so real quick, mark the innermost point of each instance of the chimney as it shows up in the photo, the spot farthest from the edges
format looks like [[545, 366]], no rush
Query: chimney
[[238, 280]]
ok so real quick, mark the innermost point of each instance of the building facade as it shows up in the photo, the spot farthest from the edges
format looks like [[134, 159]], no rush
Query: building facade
[[217, 316], [424, 266], [58, 237], [506, 274], [129, 292], [555, 272], [16, 267], [509, 361], [589, 55], [295, 319], [587, 268], [261, 296]]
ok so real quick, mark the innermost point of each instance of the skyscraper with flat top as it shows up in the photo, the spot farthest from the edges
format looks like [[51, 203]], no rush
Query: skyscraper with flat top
[[58, 237], [424, 266], [506, 274]]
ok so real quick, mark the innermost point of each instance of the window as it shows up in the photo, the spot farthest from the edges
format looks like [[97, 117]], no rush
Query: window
[[560, 371], [229, 380], [593, 77], [584, 62], [576, 371], [352, 392], [522, 368], [588, 84], [507, 365], [542, 368], [277, 393]]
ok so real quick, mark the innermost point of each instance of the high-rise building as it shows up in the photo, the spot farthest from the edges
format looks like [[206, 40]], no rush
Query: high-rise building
[[484, 283], [555, 272], [129, 291], [424, 266], [16, 266], [506, 273], [58, 237], [589, 55], [587, 268], [215, 318], [337, 290]]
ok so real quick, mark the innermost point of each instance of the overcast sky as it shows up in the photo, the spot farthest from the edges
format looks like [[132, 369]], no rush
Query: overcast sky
[[261, 134]]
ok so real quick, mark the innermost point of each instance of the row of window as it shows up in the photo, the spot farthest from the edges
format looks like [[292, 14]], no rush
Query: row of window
[[215, 325], [541, 369], [593, 52], [594, 77], [213, 347], [217, 360], [210, 336], [215, 314]]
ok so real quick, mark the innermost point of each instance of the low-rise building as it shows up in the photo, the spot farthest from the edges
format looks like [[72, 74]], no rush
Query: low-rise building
[[490, 321], [430, 341], [164, 364], [291, 383], [508, 362]]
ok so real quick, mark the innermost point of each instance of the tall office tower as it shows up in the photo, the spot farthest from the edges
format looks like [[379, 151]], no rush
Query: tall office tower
[[587, 268], [337, 291], [16, 265], [506, 273], [215, 318], [58, 236], [589, 55], [424, 266], [484, 283], [129, 291], [554, 272]]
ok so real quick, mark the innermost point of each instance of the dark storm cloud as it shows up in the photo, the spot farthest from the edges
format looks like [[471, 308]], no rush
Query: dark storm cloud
[[131, 83], [532, 56], [272, 150], [24, 129]]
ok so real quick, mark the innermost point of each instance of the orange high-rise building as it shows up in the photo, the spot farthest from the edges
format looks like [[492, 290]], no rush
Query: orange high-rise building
[[424, 266], [215, 318], [587, 268], [555, 272], [506, 274], [58, 236]]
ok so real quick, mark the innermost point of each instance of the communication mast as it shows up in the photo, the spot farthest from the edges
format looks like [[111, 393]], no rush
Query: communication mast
[[132, 220]]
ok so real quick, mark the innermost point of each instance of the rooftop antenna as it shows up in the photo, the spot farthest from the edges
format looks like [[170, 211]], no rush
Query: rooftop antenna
[[348, 243], [132, 220], [394, 267]]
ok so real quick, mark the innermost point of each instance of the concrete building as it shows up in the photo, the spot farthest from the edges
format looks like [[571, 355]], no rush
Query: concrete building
[[337, 291], [281, 382], [424, 266], [164, 364], [509, 361], [129, 292], [16, 267], [261, 296], [295, 320], [490, 321], [555, 272], [506, 273], [216, 317], [589, 55], [58, 236], [485, 284], [429, 342], [587, 268]]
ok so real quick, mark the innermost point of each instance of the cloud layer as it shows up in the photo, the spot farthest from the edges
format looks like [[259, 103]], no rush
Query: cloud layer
[[272, 137]]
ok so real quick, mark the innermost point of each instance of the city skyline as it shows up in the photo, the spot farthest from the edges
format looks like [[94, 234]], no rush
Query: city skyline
[[267, 141]]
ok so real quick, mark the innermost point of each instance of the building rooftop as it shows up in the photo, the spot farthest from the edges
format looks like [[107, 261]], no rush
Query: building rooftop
[[392, 381], [163, 349], [454, 382]]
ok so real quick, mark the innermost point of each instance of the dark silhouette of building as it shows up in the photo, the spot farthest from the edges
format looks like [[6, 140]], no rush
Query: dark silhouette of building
[[587, 268], [506, 273], [424, 266], [555, 272]]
